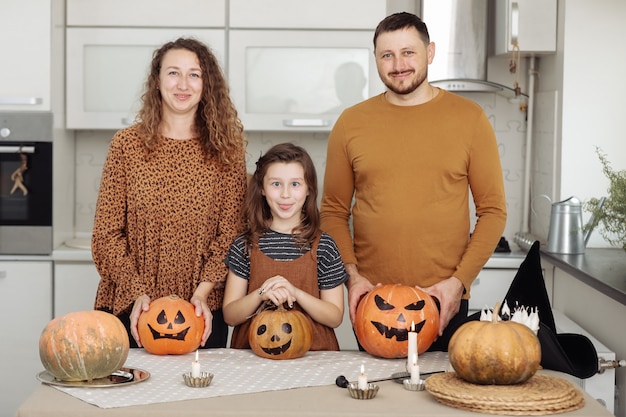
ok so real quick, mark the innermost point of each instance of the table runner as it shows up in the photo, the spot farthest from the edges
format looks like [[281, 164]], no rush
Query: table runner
[[240, 371]]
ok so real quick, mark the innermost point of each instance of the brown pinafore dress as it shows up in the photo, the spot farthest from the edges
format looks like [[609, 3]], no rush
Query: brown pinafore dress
[[302, 273]]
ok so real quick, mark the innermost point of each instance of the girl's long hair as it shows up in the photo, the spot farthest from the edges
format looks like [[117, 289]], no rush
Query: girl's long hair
[[257, 214], [217, 124]]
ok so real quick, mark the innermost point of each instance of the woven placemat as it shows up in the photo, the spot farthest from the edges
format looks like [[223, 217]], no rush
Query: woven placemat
[[540, 395]]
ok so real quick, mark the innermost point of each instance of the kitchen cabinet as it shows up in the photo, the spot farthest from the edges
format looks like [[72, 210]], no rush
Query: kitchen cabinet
[[107, 67], [597, 313], [25, 42], [26, 308], [530, 23], [304, 14], [75, 285], [146, 13]]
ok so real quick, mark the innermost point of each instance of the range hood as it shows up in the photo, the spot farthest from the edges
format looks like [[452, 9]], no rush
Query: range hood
[[459, 29]]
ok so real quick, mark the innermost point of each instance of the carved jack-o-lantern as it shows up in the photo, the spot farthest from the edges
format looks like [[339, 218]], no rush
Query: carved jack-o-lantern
[[280, 334], [385, 315], [170, 326]]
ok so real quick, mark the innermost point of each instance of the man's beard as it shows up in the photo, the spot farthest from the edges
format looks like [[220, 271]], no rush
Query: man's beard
[[408, 89]]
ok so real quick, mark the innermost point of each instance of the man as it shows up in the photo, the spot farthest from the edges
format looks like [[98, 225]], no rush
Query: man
[[401, 166]]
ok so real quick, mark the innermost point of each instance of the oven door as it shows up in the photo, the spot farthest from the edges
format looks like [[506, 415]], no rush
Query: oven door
[[26, 197]]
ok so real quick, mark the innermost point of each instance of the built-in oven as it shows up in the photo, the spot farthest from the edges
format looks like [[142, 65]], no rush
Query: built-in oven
[[25, 183]]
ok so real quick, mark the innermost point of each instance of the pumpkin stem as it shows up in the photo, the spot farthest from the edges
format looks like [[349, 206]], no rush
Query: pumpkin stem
[[496, 311]]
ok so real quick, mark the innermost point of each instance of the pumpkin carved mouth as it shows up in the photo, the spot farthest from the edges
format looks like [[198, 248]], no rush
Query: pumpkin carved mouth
[[400, 334], [175, 336], [277, 350]]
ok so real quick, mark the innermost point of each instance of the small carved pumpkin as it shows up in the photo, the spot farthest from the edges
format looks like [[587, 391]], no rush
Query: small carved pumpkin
[[280, 334], [494, 352], [385, 315], [170, 327], [83, 345]]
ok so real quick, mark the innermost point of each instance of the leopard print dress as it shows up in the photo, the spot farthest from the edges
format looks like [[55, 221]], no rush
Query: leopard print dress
[[164, 221]]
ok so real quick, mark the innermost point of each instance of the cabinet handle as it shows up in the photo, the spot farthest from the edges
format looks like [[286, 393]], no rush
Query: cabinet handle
[[31, 101], [514, 23], [306, 122]]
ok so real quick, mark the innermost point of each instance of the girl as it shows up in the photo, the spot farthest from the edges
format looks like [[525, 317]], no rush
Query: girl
[[282, 256]]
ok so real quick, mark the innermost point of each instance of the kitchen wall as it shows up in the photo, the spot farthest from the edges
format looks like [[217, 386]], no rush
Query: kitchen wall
[[582, 96], [505, 116]]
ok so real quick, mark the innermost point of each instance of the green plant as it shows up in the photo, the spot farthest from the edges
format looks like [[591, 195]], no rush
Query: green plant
[[611, 215]]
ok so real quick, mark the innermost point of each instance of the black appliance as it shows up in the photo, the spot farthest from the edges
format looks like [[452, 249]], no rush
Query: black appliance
[[26, 182]]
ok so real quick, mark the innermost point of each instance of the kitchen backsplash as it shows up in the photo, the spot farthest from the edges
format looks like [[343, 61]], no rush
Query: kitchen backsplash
[[504, 114]]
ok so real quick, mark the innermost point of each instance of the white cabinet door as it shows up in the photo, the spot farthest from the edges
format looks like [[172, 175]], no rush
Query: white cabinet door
[[26, 308], [75, 285], [152, 13], [305, 14], [25, 45], [107, 67], [490, 287], [531, 23]]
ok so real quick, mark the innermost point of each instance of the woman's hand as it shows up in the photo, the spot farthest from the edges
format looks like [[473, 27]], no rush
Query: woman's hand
[[278, 290], [202, 309], [142, 303]]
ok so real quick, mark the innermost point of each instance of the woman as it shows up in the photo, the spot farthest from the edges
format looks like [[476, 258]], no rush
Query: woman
[[171, 193]]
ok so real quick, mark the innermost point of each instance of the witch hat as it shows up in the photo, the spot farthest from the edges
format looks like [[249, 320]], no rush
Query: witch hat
[[566, 352]]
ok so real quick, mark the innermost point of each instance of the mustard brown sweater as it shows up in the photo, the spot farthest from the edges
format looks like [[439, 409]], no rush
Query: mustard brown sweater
[[408, 170]]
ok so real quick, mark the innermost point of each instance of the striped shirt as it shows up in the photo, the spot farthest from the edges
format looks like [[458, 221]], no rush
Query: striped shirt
[[282, 247]]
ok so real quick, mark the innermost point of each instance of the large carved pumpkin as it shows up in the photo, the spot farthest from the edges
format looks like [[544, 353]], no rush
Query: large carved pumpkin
[[170, 327], [83, 345], [385, 315], [280, 334], [494, 352]]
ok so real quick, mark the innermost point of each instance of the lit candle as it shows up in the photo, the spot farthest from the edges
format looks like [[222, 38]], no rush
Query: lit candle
[[414, 370], [362, 379], [412, 342], [195, 367]]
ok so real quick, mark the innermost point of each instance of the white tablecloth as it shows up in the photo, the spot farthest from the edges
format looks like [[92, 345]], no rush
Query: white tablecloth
[[240, 372]]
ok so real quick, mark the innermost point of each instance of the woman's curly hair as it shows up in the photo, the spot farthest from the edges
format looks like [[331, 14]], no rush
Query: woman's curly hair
[[217, 124]]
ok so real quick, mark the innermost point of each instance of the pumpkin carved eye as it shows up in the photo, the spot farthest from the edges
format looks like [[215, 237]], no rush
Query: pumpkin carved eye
[[262, 329], [418, 305], [382, 304], [286, 328]]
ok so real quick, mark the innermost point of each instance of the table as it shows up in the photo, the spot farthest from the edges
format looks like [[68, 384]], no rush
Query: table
[[320, 398], [327, 401]]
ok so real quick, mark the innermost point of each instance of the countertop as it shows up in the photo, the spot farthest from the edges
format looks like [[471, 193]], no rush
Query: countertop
[[603, 269]]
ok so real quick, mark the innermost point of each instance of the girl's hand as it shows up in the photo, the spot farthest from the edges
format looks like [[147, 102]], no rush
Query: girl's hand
[[278, 290], [142, 303]]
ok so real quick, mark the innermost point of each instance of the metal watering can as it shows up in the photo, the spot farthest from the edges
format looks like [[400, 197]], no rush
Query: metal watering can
[[567, 234]]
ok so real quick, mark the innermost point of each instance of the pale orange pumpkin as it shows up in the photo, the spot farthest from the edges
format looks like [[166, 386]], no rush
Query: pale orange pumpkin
[[385, 315], [494, 352], [170, 327], [280, 334], [83, 345]]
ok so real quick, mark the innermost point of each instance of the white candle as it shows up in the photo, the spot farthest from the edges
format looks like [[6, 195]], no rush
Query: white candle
[[414, 369], [412, 342], [195, 367], [362, 384]]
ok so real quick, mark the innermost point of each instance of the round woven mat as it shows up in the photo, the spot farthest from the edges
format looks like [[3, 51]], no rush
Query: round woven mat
[[540, 395]]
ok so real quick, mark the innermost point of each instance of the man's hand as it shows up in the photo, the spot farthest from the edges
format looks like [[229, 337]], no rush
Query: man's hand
[[358, 286], [449, 293]]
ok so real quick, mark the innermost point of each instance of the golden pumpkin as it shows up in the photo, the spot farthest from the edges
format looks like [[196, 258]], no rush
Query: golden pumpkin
[[494, 352], [280, 334], [83, 345]]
